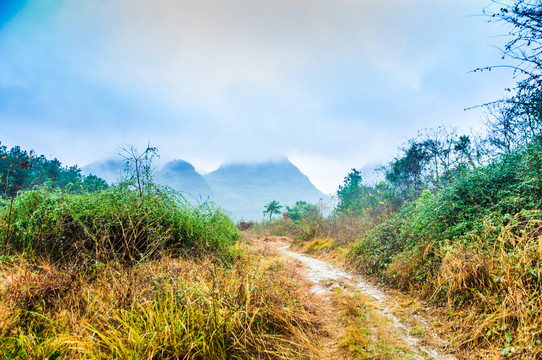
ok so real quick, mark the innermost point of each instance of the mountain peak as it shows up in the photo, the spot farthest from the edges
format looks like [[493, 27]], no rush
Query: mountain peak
[[180, 175], [178, 165], [244, 188], [241, 188]]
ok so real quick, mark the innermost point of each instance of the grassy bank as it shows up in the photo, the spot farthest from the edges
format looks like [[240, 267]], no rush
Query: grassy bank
[[124, 274], [117, 224]]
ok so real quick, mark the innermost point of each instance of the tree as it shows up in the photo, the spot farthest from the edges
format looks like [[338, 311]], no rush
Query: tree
[[438, 146], [521, 114], [507, 131], [92, 183], [24, 170], [301, 210], [405, 173], [138, 166], [350, 192], [357, 198], [273, 208]]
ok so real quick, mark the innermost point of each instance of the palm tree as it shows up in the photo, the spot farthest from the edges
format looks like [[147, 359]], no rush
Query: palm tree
[[272, 208]]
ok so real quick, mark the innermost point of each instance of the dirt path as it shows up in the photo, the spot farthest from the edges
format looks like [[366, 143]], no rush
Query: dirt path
[[368, 322]]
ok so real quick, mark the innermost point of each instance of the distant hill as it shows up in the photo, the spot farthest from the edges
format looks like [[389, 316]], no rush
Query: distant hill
[[241, 189], [181, 176], [110, 170], [244, 189]]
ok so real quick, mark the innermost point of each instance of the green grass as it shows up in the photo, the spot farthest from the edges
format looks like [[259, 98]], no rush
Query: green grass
[[114, 224]]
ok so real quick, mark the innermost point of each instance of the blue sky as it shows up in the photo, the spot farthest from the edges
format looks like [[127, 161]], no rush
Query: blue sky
[[333, 85]]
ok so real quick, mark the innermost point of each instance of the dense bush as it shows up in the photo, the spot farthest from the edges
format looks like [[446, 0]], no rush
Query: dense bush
[[479, 200], [472, 246], [118, 223]]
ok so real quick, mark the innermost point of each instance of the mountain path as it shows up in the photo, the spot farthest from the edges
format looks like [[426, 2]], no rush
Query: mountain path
[[406, 335]]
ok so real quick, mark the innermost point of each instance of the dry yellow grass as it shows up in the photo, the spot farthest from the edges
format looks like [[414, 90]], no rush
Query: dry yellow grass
[[493, 295], [164, 309]]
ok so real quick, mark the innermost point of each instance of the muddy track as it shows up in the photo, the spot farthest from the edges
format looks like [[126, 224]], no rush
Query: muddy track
[[413, 334], [321, 272]]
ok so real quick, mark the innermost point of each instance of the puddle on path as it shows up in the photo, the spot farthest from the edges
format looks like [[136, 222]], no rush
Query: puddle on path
[[320, 271]]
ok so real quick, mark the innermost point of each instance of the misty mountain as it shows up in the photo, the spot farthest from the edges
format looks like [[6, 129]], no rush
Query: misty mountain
[[244, 189], [111, 170], [181, 176], [241, 189]]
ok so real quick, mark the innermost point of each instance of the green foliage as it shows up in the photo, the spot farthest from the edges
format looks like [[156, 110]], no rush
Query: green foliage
[[405, 173], [374, 252], [349, 192], [301, 210], [357, 198], [478, 202], [23, 170], [113, 224], [472, 246]]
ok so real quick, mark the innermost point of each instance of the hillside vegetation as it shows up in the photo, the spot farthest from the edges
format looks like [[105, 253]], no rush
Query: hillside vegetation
[[134, 271], [467, 242]]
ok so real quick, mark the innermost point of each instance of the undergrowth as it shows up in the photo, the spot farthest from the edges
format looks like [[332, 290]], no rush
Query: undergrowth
[[494, 289]]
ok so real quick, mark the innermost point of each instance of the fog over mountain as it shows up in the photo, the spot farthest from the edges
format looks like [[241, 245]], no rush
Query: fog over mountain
[[111, 170], [183, 177], [241, 189], [244, 189]]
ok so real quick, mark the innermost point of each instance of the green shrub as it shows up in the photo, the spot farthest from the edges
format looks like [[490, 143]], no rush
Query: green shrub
[[114, 224], [375, 251], [479, 201]]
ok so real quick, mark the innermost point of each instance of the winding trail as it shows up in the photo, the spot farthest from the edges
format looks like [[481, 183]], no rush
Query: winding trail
[[326, 276]]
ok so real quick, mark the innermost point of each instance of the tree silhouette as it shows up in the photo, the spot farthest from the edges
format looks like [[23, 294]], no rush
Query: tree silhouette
[[520, 116]]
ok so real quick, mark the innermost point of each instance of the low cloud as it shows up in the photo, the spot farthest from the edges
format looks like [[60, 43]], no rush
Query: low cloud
[[339, 84]]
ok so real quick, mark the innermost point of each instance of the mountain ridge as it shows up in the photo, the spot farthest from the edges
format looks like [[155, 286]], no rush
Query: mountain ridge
[[247, 187], [241, 189]]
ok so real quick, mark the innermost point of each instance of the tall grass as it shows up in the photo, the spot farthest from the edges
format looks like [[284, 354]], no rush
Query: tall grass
[[128, 274], [488, 286], [163, 309], [495, 289]]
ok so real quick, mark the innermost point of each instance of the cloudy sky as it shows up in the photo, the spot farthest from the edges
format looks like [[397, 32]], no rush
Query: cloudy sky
[[331, 84]]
